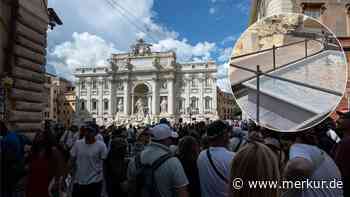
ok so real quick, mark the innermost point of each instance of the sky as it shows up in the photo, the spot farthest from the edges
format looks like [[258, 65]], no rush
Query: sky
[[197, 30]]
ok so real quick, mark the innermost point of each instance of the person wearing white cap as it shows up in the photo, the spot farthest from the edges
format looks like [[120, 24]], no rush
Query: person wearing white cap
[[169, 178]]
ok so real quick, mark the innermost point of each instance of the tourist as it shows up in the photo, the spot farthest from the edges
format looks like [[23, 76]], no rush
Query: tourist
[[308, 162], [98, 136], [214, 164], [205, 144], [238, 139], [169, 178], [88, 155], [131, 138], [342, 150], [272, 139], [143, 138], [13, 163], [69, 137], [188, 151], [254, 162], [324, 139], [116, 165], [46, 164]]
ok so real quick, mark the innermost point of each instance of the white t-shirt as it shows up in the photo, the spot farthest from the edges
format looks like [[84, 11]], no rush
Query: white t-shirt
[[211, 184], [325, 170], [89, 161]]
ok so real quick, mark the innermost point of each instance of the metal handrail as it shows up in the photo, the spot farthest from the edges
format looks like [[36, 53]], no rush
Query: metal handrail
[[258, 73], [243, 68], [268, 49], [273, 69]]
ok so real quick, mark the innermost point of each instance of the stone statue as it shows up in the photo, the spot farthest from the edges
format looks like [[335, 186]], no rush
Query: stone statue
[[163, 106], [140, 108], [120, 105]]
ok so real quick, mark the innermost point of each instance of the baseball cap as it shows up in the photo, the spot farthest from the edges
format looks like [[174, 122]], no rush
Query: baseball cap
[[161, 132]]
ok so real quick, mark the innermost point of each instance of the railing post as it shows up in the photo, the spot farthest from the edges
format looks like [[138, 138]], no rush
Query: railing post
[[258, 93], [274, 56], [305, 47]]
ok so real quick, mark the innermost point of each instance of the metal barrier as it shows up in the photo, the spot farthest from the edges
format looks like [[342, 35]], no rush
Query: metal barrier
[[258, 73]]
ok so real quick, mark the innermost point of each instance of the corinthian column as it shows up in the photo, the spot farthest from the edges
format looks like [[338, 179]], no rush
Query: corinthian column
[[155, 98], [171, 96], [126, 97]]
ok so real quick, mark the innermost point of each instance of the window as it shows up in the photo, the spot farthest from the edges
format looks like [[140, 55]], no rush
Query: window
[[106, 84], [207, 102], [313, 9], [313, 12], [181, 104], [94, 84], [105, 105], [194, 83], [194, 102], [82, 105], [94, 105], [83, 84]]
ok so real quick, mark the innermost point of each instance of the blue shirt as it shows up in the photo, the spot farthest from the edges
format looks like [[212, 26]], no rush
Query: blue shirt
[[211, 184]]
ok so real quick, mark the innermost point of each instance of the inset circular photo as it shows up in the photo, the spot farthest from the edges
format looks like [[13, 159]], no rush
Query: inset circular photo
[[288, 72]]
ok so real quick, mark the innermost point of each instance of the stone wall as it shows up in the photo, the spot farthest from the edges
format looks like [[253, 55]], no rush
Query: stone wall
[[27, 56]]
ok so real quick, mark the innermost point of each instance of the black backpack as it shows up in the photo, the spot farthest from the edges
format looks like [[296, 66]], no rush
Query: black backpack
[[145, 180]]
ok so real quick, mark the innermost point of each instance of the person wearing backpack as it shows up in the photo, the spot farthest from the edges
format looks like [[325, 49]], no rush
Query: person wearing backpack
[[214, 163], [155, 172], [308, 162]]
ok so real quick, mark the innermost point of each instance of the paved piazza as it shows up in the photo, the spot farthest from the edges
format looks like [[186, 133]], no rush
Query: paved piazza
[[143, 86]]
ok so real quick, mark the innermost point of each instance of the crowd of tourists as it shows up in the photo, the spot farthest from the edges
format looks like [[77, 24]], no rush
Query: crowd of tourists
[[164, 160]]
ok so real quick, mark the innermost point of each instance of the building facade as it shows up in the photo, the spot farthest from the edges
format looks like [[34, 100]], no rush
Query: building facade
[[227, 107], [60, 100], [23, 34], [333, 13], [143, 86], [68, 110]]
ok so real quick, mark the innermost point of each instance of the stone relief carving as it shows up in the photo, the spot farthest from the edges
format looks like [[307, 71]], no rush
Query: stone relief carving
[[140, 108], [120, 105], [141, 48], [164, 105]]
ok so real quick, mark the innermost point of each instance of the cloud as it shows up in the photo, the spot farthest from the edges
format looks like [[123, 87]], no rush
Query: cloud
[[84, 50], [229, 40], [185, 51], [243, 6], [120, 21], [212, 10], [225, 85], [223, 81], [109, 28], [225, 54]]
